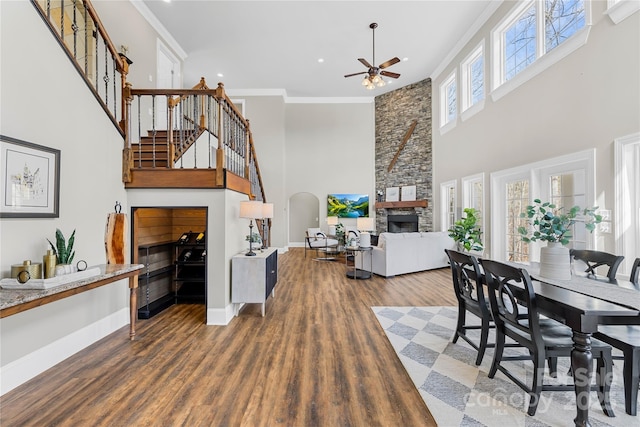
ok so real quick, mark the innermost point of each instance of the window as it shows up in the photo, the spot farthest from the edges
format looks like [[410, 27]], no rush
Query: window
[[517, 199], [472, 76], [566, 180], [448, 99], [473, 196], [533, 37], [448, 204]]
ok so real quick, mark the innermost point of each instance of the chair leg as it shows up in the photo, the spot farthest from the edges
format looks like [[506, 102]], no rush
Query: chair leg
[[604, 377], [484, 337], [462, 313], [553, 366], [536, 387], [631, 374], [497, 354]]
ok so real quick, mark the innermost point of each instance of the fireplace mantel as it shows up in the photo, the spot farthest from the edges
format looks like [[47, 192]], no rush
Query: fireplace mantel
[[402, 204]]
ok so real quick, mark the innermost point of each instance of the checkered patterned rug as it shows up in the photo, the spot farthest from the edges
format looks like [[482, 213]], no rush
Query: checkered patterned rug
[[459, 393]]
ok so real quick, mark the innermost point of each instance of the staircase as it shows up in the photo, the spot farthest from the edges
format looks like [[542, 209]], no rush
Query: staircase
[[153, 150]]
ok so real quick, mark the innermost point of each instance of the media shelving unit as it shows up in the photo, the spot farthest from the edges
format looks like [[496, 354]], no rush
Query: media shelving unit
[[155, 279]]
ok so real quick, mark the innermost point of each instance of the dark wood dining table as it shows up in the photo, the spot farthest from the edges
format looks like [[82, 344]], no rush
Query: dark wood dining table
[[583, 313]]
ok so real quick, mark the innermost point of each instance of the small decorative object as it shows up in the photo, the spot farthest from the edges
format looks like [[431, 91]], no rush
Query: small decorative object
[[49, 261], [34, 271], [267, 214], [408, 193], [380, 195], [466, 232], [553, 226], [393, 194], [64, 252]]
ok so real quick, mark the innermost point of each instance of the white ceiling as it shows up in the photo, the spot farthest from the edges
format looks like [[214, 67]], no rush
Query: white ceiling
[[275, 45]]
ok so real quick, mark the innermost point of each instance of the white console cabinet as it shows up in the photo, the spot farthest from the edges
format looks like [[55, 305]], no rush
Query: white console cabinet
[[253, 278]]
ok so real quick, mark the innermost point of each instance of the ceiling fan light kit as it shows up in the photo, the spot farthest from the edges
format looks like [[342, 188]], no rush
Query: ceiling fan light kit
[[373, 77]]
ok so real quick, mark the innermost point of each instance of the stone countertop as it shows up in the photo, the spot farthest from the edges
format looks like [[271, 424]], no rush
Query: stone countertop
[[11, 297]]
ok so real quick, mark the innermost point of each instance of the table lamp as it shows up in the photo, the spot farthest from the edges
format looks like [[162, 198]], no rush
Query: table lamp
[[251, 209], [364, 225], [332, 221], [267, 214]]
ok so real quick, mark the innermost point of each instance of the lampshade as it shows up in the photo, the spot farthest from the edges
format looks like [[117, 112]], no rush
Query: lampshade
[[267, 210], [365, 224], [251, 209], [332, 220]]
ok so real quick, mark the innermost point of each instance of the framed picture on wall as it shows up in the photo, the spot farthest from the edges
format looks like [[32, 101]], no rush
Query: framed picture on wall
[[392, 194], [408, 193], [30, 186]]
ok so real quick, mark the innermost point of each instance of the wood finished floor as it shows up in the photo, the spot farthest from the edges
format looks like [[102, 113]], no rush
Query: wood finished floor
[[318, 358]]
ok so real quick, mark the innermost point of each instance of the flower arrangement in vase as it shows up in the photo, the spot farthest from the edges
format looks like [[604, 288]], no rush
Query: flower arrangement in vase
[[551, 224]]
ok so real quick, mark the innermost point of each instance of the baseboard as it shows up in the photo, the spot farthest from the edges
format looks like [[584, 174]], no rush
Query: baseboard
[[220, 316], [33, 364]]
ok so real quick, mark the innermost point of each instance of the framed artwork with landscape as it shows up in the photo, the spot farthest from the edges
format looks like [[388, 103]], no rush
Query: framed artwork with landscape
[[30, 186], [348, 205]]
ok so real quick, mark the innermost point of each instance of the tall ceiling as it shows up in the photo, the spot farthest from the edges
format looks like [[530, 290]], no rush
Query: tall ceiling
[[276, 45]]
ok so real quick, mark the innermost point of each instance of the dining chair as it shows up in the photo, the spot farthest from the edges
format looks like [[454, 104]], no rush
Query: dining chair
[[595, 259], [510, 289], [468, 286], [627, 340]]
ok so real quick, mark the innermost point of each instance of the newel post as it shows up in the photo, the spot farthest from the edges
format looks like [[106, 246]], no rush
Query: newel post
[[127, 155]]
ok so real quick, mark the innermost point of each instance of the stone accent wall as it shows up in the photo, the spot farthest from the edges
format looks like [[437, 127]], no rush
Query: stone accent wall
[[395, 111]]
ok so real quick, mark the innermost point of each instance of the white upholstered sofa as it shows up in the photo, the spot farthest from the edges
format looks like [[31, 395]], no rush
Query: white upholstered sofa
[[400, 253]]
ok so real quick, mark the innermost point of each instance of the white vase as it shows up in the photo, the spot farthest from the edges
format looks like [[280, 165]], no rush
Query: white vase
[[555, 261]]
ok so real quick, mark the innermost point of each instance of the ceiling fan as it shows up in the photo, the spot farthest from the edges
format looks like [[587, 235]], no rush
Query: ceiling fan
[[373, 78]]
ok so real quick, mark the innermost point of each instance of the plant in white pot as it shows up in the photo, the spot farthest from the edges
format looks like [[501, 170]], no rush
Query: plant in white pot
[[551, 224], [466, 232]]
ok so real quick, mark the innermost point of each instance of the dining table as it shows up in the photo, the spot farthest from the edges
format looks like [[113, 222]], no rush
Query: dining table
[[583, 303]]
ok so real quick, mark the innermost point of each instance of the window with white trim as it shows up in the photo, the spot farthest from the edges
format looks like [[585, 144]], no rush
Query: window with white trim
[[448, 100], [472, 77], [448, 205], [473, 196], [532, 30]]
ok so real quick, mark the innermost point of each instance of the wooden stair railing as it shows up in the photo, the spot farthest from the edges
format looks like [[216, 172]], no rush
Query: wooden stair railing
[[186, 117], [79, 31]]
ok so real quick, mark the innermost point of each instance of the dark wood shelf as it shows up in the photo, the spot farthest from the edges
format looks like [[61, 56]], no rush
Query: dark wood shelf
[[402, 204]]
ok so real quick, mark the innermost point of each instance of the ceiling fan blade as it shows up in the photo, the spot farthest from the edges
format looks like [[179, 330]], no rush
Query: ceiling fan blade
[[365, 63], [389, 63], [390, 74], [355, 74]]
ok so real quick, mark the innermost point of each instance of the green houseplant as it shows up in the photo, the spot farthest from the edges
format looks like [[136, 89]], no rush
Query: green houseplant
[[340, 236], [551, 224], [466, 232], [64, 252]]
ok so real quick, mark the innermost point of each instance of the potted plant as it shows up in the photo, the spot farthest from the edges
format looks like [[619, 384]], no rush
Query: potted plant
[[340, 236], [466, 232], [551, 224], [64, 252]]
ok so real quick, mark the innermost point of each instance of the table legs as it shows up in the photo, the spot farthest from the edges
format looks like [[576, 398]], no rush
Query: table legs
[[581, 365], [133, 305]]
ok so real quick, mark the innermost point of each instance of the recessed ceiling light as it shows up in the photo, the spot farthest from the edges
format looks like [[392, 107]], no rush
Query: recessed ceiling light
[[220, 75], [320, 60], [167, 1], [405, 59]]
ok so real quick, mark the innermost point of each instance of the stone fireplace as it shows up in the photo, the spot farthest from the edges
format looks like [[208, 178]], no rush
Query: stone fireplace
[[399, 165]]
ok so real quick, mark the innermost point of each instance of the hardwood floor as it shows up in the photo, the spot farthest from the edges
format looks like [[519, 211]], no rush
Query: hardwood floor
[[318, 358]]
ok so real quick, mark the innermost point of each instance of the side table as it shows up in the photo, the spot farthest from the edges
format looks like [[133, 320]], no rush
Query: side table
[[358, 273]]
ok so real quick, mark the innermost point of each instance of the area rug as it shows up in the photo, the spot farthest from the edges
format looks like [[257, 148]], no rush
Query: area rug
[[459, 393]]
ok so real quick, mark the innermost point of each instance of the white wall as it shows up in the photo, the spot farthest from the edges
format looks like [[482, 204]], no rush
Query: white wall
[[584, 101], [36, 106], [330, 148]]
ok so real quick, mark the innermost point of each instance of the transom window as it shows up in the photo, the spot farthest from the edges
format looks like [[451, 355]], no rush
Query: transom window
[[472, 72], [533, 29], [448, 93]]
